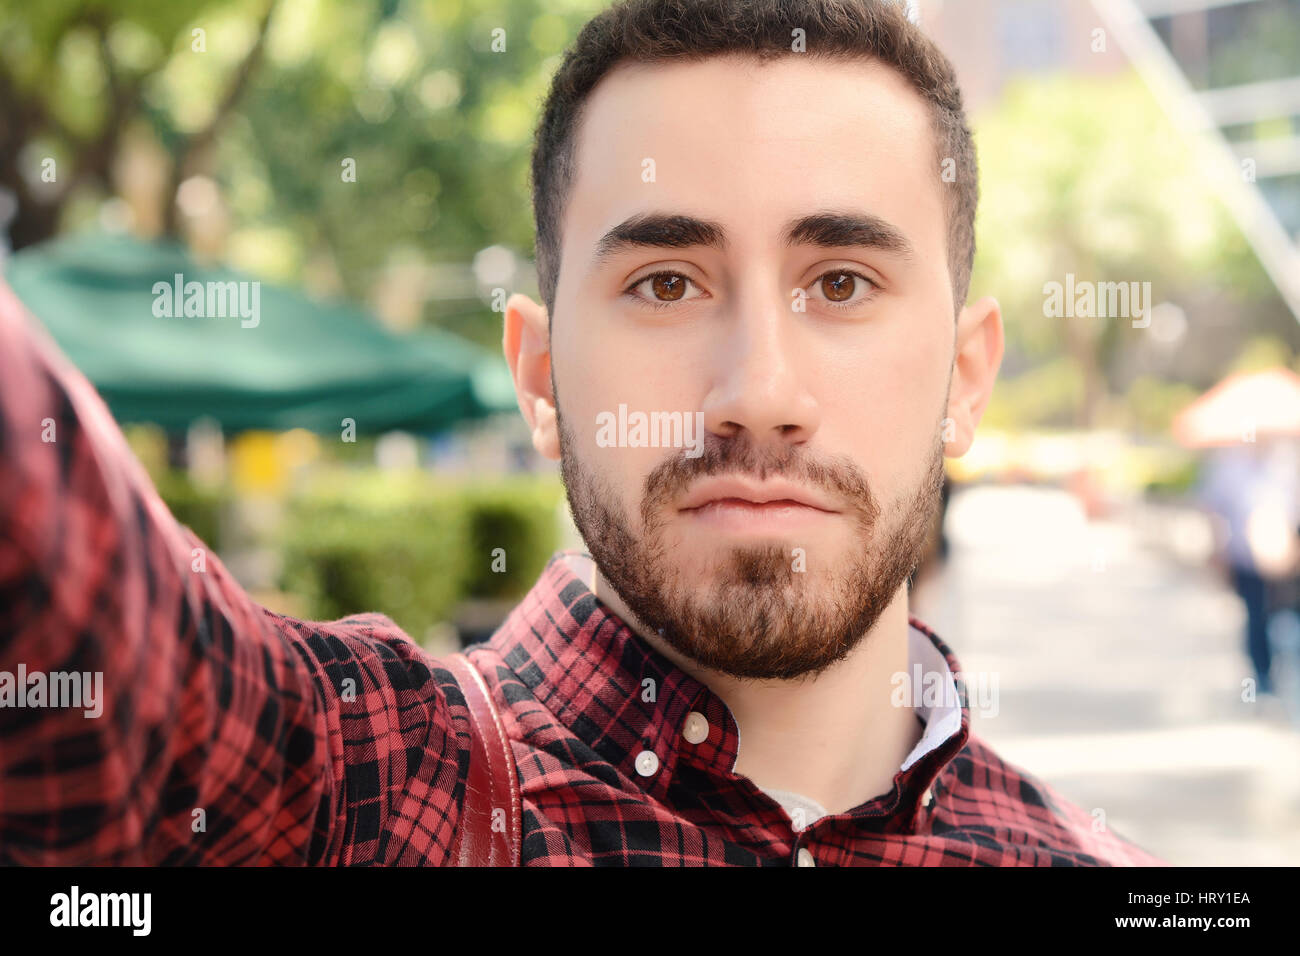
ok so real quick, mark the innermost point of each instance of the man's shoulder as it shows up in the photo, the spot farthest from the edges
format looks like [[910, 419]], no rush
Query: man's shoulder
[[370, 648], [370, 625], [371, 653], [1004, 796]]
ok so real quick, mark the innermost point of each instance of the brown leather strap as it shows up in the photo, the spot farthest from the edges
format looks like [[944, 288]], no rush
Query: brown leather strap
[[491, 790]]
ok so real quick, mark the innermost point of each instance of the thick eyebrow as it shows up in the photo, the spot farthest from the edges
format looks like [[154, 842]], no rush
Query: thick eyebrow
[[829, 229], [848, 229], [659, 230]]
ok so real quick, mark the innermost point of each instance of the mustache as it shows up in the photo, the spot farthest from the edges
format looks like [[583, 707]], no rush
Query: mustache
[[838, 476]]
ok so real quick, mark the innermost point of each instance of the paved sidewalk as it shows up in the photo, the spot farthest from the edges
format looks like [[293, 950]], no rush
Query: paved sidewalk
[[1120, 675]]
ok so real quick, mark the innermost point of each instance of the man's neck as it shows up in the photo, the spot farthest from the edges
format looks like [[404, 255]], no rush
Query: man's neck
[[836, 738]]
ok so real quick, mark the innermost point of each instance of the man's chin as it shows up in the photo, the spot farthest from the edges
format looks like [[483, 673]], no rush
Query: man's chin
[[759, 562], [756, 637]]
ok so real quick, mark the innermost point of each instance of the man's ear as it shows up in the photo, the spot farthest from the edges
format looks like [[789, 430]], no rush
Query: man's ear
[[527, 346], [976, 359]]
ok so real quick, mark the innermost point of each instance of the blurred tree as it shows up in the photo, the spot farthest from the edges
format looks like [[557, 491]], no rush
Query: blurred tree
[[369, 148], [76, 74], [1261, 352], [1086, 176], [435, 103]]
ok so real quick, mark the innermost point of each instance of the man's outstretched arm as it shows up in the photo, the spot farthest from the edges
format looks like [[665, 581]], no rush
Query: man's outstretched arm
[[208, 729]]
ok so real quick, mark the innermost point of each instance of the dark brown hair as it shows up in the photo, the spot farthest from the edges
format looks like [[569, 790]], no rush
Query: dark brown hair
[[685, 30]]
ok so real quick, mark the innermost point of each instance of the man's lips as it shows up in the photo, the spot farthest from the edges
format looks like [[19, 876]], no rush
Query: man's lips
[[764, 508], [736, 506], [759, 496], [736, 516]]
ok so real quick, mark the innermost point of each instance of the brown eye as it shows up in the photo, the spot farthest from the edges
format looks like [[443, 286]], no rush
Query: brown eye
[[668, 287], [838, 286]]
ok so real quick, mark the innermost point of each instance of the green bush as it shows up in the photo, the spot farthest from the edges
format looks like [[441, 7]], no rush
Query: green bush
[[414, 547], [517, 516], [404, 561], [195, 507]]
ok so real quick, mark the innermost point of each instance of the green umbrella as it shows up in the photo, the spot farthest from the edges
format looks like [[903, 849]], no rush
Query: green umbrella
[[216, 343]]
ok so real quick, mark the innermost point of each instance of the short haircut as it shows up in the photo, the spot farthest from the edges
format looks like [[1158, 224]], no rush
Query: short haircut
[[647, 31]]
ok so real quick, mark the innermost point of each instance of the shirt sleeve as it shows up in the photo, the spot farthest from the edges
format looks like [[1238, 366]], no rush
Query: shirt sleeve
[[150, 711]]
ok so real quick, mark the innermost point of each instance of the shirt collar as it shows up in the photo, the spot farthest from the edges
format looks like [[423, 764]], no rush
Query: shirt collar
[[936, 704], [631, 705], [942, 716]]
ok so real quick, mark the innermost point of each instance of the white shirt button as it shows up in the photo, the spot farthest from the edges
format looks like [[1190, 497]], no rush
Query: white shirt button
[[647, 763], [927, 798], [805, 857], [696, 730]]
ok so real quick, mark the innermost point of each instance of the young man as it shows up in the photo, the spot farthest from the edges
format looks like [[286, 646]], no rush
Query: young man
[[754, 224]]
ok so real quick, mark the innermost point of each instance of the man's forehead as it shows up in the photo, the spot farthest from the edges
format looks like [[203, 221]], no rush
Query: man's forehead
[[731, 133], [747, 93], [730, 72]]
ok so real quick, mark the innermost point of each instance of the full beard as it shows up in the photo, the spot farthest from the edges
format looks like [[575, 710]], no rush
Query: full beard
[[761, 617]]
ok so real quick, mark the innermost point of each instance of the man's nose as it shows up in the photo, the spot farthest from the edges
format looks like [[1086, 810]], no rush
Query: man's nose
[[761, 375]]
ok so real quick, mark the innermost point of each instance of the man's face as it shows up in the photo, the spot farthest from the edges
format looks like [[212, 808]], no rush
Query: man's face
[[810, 321]]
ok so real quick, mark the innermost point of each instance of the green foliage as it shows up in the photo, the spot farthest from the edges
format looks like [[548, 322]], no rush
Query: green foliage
[[1152, 403], [438, 122], [1086, 175], [518, 517], [197, 508], [414, 547], [440, 127], [405, 560], [1045, 395]]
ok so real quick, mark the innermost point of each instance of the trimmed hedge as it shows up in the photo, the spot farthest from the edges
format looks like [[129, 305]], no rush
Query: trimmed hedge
[[518, 517], [198, 508], [414, 547], [344, 560]]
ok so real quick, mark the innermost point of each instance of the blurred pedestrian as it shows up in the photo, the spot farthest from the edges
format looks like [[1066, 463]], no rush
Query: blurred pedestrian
[[1254, 488]]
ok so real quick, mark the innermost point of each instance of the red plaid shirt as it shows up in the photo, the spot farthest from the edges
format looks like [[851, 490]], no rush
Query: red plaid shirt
[[232, 735]]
